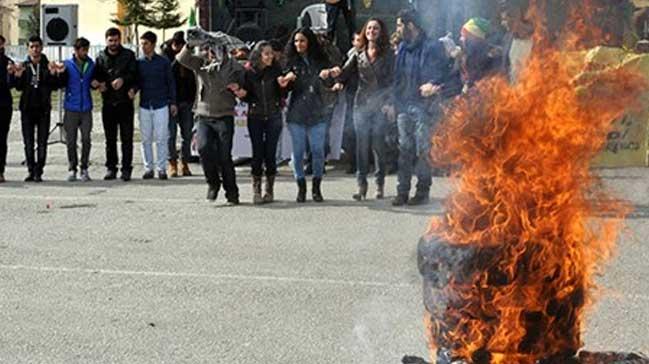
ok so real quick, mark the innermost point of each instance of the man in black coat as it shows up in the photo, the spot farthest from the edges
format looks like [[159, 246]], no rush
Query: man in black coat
[[36, 77], [6, 81], [116, 70]]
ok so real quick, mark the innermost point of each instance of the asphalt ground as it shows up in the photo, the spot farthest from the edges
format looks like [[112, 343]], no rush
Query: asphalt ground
[[149, 272]]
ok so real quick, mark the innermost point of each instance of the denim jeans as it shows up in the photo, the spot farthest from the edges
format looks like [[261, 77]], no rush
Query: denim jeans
[[414, 145], [370, 127], [154, 123], [214, 139], [315, 136], [73, 122], [39, 122], [118, 119], [184, 119], [264, 135]]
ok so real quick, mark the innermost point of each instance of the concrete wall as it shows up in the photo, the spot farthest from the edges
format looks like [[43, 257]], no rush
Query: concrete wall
[[9, 21]]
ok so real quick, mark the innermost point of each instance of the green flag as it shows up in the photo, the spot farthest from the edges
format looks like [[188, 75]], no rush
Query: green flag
[[192, 17]]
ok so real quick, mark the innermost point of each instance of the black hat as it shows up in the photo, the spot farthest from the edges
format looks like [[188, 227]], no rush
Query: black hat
[[179, 37]]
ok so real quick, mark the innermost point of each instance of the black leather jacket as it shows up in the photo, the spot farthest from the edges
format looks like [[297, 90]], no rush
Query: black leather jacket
[[374, 79], [264, 95], [108, 68]]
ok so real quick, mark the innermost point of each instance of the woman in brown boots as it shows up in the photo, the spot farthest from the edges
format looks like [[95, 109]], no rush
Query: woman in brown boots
[[263, 93]]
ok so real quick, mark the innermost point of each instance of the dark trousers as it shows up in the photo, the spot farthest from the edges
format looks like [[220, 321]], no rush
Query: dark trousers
[[118, 119], [73, 122], [214, 141], [184, 119], [35, 121], [264, 135], [349, 134], [5, 122], [333, 10]]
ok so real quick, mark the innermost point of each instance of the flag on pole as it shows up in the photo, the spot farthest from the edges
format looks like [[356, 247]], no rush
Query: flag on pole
[[192, 17]]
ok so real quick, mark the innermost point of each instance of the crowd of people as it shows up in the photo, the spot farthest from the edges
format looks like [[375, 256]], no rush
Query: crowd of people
[[401, 79]]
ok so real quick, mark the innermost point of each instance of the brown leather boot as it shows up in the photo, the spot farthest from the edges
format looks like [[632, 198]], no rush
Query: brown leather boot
[[256, 190], [269, 195], [172, 170], [185, 169]]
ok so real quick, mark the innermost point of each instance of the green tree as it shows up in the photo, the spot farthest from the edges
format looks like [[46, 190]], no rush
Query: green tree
[[135, 14], [33, 25], [166, 15]]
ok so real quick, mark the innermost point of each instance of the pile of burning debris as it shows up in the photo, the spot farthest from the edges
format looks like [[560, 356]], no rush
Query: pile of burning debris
[[440, 263]]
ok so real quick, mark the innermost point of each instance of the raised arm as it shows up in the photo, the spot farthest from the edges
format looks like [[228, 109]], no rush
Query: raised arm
[[187, 59]]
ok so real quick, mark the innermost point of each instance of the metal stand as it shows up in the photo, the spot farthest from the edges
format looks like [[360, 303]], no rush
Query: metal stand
[[59, 124]]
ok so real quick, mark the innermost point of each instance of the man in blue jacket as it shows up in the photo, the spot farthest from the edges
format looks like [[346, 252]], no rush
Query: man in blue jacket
[[420, 71], [157, 88], [78, 80]]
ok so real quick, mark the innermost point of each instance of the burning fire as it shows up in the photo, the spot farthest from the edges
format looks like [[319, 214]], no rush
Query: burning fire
[[526, 206]]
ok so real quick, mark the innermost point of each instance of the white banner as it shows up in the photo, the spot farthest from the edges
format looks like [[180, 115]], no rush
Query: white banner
[[242, 147]]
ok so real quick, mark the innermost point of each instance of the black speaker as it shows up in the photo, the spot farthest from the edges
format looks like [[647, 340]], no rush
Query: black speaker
[[59, 24]]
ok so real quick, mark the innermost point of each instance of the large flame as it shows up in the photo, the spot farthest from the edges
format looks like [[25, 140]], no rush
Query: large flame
[[524, 191]]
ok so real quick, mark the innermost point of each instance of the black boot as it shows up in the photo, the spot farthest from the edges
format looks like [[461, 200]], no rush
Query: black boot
[[362, 192], [269, 193], [317, 193], [256, 190], [301, 193], [380, 191]]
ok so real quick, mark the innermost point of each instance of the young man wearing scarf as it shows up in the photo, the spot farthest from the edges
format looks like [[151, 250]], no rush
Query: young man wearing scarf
[[36, 77], [420, 73]]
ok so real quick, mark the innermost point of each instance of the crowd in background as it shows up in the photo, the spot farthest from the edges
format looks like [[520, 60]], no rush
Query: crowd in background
[[395, 87]]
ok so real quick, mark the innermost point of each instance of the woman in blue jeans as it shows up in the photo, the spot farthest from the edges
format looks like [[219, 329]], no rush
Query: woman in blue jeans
[[263, 93], [306, 66], [373, 68]]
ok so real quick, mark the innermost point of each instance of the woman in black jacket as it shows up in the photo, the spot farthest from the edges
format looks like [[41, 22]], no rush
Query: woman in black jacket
[[373, 66], [263, 93], [307, 67]]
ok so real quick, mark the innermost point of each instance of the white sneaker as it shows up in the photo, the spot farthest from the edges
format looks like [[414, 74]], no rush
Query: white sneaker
[[72, 176], [85, 176]]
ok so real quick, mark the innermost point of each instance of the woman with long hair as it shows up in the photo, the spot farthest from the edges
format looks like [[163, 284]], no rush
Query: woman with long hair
[[306, 119], [373, 66], [263, 93]]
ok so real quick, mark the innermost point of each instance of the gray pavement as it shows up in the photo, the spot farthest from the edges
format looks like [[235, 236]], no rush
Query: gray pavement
[[148, 272]]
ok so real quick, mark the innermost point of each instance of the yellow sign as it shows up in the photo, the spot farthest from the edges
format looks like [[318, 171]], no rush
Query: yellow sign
[[627, 142]]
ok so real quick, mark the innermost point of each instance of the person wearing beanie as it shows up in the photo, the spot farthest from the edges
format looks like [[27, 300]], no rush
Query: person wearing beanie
[[480, 58], [477, 28]]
